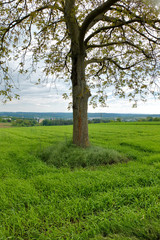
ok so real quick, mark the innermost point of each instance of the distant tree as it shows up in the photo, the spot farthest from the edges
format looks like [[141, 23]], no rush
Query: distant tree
[[150, 119], [24, 122], [118, 120], [48, 122], [156, 119], [95, 43]]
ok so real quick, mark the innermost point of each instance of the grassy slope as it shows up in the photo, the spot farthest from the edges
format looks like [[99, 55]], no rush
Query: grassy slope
[[112, 202]]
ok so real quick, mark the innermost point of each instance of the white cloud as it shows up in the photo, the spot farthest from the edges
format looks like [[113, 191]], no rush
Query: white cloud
[[152, 106], [47, 97]]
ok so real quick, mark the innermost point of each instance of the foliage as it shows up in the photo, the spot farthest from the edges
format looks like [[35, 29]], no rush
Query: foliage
[[5, 120], [48, 122], [120, 201], [120, 40], [150, 119], [24, 122]]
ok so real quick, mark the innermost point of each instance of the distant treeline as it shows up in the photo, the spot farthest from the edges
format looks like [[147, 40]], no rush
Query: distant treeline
[[48, 122], [149, 119], [104, 120], [23, 122], [69, 115], [19, 122], [5, 120]]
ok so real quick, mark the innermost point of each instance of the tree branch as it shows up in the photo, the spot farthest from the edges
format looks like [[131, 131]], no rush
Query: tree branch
[[72, 24], [20, 20], [120, 43], [144, 35], [87, 24], [118, 25], [102, 60]]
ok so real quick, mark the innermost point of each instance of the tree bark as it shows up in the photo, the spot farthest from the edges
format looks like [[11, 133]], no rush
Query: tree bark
[[81, 94], [80, 91]]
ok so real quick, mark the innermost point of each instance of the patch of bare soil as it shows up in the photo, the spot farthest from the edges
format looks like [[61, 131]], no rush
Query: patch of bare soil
[[5, 125]]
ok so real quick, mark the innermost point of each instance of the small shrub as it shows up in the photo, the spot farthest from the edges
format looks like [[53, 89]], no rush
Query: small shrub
[[69, 155]]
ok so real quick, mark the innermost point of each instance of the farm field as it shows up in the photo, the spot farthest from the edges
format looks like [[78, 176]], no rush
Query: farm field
[[118, 201], [5, 125]]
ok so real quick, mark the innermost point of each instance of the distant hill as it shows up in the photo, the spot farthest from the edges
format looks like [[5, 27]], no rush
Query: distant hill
[[68, 115]]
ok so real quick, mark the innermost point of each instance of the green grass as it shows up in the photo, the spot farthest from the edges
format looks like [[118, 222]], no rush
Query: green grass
[[67, 154], [41, 198]]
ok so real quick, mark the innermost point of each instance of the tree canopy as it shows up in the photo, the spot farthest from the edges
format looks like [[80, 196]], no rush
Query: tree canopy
[[121, 39], [95, 43]]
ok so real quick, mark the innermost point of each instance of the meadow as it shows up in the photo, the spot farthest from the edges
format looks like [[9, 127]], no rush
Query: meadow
[[99, 200]]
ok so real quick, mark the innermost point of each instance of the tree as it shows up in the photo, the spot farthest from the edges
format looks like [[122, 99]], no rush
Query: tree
[[96, 43]]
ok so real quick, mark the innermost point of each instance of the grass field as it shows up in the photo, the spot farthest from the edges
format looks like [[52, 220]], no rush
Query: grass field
[[119, 201]]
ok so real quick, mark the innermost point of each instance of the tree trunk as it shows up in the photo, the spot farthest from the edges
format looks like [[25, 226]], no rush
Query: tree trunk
[[81, 94]]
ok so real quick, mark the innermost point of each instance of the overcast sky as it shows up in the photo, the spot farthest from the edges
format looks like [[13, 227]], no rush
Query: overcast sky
[[47, 98]]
